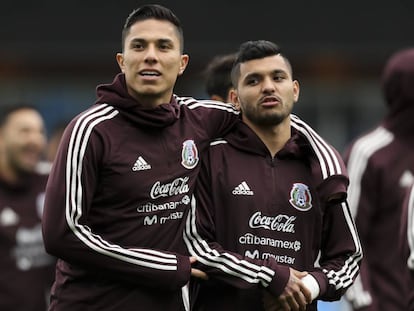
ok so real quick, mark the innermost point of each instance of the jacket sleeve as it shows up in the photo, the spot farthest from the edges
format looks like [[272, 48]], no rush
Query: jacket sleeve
[[220, 264], [69, 197], [340, 253], [216, 118]]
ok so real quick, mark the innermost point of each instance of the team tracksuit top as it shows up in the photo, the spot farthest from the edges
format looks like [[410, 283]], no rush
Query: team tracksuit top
[[381, 168], [117, 199], [27, 271], [254, 215]]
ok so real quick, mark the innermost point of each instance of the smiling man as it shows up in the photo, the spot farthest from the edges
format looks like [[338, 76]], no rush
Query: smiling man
[[120, 188]]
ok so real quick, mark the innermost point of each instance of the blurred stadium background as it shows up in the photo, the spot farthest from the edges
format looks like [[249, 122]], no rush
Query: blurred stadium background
[[54, 53]]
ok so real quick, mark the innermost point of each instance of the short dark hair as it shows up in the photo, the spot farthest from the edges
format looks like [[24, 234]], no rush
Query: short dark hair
[[152, 11], [250, 50], [7, 110], [218, 75]]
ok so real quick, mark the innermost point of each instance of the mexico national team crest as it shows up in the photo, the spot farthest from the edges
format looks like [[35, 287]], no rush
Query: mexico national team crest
[[189, 154], [300, 197]]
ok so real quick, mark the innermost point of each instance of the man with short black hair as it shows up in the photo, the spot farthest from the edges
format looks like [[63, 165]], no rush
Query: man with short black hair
[[270, 223], [120, 186]]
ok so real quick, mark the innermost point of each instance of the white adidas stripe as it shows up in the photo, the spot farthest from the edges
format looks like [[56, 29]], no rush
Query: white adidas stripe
[[244, 186], [77, 146], [141, 161], [330, 165], [328, 160], [193, 103], [226, 262]]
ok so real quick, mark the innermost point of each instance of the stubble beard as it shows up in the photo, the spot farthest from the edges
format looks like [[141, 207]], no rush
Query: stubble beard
[[270, 119]]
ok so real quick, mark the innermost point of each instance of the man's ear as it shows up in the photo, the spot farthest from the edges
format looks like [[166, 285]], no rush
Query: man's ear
[[234, 99], [183, 64], [120, 61], [296, 90]]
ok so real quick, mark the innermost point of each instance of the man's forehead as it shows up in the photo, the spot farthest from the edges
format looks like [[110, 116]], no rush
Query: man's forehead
[[152, 29], [265, 64]]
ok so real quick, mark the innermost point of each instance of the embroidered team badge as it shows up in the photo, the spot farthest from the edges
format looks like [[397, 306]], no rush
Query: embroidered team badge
[[189, 154], [300, 197]]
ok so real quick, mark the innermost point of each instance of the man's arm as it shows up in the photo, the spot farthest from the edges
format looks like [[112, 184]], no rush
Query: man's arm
[[340, 254], [224, 265], [69, 196]]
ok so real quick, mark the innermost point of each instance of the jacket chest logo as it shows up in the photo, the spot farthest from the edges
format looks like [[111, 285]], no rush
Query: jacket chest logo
[[300, 197], [189, 154]]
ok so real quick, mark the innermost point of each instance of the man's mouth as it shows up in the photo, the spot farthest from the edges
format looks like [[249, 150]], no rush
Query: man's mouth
[[149, 73]]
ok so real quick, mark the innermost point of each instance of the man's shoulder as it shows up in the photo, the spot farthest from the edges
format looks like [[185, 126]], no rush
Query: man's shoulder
[[328, 157], [204, 104], [93, 116]]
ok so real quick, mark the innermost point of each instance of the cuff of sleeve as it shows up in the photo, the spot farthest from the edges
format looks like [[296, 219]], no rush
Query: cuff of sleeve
[[322, 281], [312, 285], [183, 273], [279, 281]]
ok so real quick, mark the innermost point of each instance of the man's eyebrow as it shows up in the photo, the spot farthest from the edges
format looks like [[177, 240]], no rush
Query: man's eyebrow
[[252, 75], [279, 71], [134, 40], [161, 40], [165, 40], [255, 73]]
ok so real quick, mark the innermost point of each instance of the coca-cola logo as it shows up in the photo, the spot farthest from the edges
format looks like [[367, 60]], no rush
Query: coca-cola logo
[[177, 186], [282, 223]]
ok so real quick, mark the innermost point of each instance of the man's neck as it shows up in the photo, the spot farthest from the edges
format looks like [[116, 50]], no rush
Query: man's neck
[[274, 137], [150, 101]]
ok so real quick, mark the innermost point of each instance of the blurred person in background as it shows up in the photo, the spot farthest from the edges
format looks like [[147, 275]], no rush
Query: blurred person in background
[[217, 76], [380, 165], [267, 201], [27, 271]]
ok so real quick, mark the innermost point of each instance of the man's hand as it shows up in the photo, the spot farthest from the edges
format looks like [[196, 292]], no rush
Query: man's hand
[[196, 272], [295, 296]]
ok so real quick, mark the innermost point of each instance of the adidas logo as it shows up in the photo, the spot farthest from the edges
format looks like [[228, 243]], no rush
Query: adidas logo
[[242, 189], [141, 164]]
